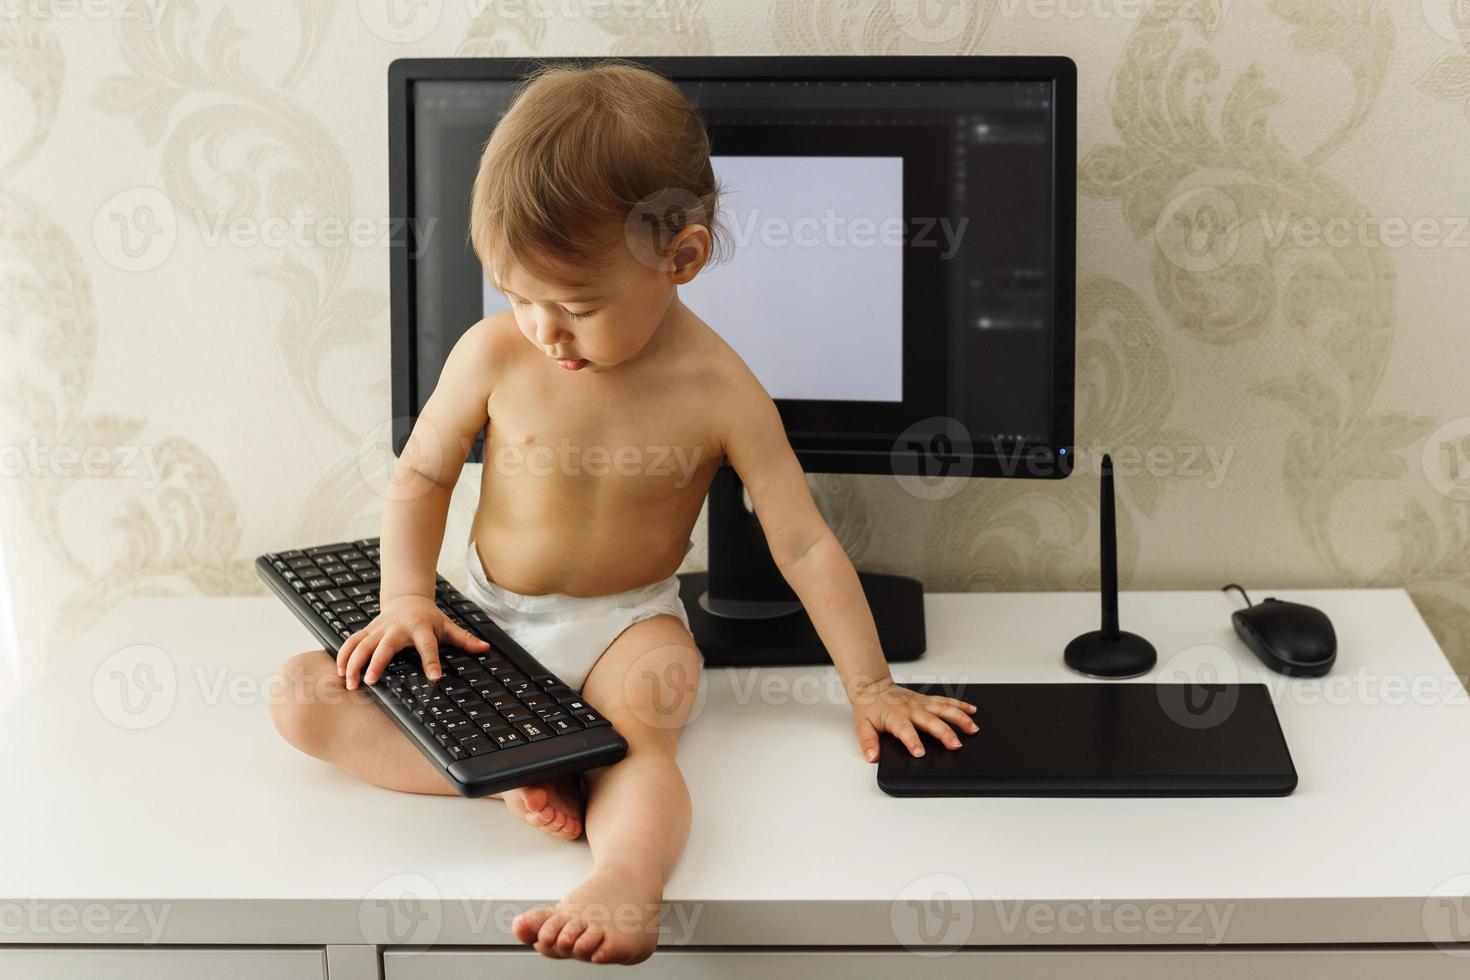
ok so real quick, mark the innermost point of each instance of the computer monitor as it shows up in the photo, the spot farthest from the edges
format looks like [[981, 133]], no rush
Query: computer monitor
[[914, 215]]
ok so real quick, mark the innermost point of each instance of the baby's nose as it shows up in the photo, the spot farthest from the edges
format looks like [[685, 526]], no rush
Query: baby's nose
[[549, 332]]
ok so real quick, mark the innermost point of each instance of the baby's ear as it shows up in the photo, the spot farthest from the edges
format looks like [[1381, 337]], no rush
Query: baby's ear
[[689, 252]]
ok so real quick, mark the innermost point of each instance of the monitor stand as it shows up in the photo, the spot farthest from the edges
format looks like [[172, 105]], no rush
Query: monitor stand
[[743, 613]]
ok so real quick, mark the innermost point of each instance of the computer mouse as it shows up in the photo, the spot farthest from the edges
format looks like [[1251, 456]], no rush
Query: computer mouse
[[1288, 637]]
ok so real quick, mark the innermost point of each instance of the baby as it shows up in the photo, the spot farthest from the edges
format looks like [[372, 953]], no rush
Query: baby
[[607, 406]]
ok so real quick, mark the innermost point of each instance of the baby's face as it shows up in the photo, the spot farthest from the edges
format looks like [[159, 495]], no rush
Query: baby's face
[[597, 324]]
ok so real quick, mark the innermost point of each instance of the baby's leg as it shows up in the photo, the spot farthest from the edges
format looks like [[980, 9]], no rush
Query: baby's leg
[[638, 810], [314, 711]]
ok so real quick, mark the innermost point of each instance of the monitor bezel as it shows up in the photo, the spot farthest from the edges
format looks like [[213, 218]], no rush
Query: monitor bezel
[[1051, 459]]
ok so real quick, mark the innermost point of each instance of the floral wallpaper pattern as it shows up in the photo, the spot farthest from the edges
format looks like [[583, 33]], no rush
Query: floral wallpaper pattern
[[1272, 276]]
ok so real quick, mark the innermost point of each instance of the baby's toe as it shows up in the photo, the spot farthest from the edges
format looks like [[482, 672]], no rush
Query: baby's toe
[[617, 948], [534, 798], [547, 935], [528, 924], [569, 935], [588, 942]]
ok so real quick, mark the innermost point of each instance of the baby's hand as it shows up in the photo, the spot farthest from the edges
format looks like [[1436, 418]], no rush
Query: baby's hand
[[884, 706], [409, 620]]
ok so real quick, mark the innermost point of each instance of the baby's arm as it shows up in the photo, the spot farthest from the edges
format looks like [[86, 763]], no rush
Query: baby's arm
[[812, 560], [414, 516]]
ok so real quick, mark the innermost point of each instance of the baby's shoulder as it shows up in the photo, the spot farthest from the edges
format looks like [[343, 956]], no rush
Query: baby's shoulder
[[495, 342], [720, 371]]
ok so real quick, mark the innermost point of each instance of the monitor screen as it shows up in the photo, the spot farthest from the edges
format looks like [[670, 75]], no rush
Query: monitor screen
[[903, 257]]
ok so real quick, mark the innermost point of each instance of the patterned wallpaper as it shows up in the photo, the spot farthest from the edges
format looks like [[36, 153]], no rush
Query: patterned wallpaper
[[1273, 279]]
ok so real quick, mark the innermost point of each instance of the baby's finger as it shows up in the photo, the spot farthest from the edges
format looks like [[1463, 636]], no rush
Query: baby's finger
[[462, 637], [962, 705], [386, 646], [868, 739], [938, 729], [903, 729], [354, 660], [344, 653], [427, 645], [955, 715]]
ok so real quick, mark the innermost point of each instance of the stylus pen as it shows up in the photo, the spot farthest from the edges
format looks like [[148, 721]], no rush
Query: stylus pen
[[1109, 555]]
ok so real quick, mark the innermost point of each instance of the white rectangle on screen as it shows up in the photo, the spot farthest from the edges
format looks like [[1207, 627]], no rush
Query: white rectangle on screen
[[812, 295]]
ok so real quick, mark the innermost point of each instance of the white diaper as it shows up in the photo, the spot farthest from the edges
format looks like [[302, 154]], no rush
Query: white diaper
[[568, 633]]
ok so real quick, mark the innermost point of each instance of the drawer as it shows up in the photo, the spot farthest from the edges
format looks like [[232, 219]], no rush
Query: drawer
[[162, 963], [1032, 964]]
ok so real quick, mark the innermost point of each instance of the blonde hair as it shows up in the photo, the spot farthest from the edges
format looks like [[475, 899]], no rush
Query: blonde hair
[[588, 155]]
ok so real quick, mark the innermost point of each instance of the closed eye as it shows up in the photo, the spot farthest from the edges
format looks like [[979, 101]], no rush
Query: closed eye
[[577, 316]]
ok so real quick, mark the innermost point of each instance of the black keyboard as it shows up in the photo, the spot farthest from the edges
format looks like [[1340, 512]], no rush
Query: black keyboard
[[496, 720]]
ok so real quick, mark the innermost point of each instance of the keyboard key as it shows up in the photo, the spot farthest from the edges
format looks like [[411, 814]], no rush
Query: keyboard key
[[455, 752], [563, 725], [478, 744], [533, 730], [590, 718], [509, 739], [516, 713]]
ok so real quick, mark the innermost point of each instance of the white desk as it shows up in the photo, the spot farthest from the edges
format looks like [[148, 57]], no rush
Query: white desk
[[203, 829]]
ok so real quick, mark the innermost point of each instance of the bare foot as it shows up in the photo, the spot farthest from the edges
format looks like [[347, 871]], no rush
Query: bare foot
[[554, 805], [612, 917]]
